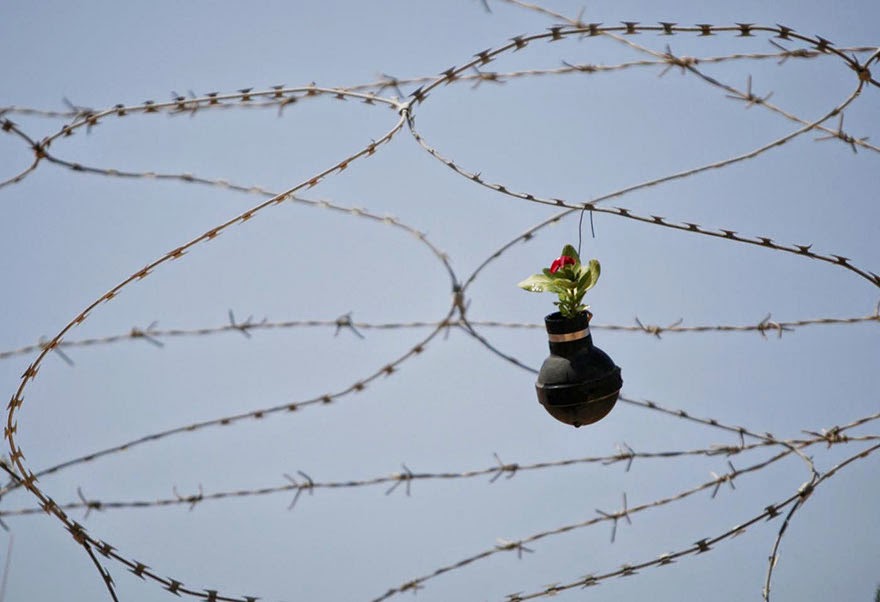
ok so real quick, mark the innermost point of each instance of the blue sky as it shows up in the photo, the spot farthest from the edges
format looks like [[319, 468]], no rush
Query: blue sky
[[68, 237]]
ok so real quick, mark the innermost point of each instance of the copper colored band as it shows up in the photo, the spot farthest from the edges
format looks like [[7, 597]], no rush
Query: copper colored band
[[569, 336]]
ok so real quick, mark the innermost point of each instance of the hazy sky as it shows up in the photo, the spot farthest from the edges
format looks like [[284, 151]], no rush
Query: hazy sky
[[454, 408]]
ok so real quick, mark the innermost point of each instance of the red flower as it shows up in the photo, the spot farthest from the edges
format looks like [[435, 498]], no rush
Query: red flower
[[559, 262]]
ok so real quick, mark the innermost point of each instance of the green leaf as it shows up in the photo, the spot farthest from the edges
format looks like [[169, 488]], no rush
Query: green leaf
[[596, 269], [585, 277], [570, 251], [588, 275], [539, 283]]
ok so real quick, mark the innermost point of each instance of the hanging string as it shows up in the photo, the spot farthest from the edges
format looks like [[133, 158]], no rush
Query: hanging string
[[581, 227]]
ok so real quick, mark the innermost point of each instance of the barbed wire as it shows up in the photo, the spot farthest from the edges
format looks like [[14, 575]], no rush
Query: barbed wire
[[701, 546], [280, 97], [306, 483], [396, 83], [154, 335], [473, 71]]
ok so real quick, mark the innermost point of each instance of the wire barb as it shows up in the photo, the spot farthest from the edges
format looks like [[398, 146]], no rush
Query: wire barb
[[344, 321]]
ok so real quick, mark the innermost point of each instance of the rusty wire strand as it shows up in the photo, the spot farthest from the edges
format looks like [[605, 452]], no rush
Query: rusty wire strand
[[154, 335], [277, 96], [740, 430], [630, 28], [17, 457], [105, 574], [377, 87], [8, 126], [624, 455], [592, 206], [803, 493], [258, 414], [601, 518], [699, 547], [830, 436], [89, 118], [689, 64], [668, 59], [770, 511], [656, 220], [594, 29]]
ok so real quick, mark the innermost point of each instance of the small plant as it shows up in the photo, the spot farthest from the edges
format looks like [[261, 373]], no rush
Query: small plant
[[568, 278]]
